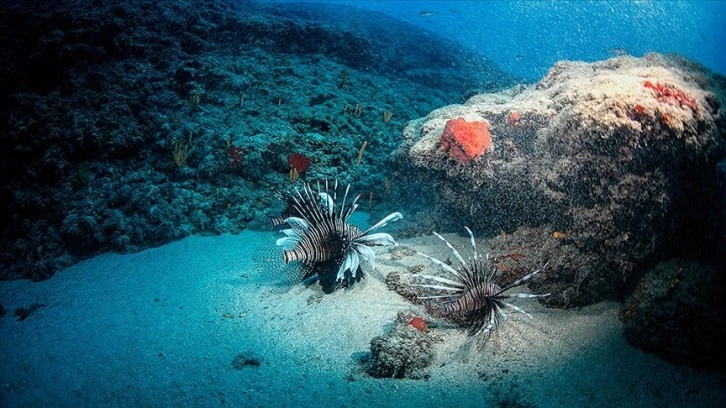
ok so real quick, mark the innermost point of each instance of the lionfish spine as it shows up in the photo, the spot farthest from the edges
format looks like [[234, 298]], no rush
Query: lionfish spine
[[307, 206]]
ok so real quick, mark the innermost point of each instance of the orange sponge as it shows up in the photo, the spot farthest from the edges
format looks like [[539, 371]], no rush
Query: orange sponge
[[465, 141]]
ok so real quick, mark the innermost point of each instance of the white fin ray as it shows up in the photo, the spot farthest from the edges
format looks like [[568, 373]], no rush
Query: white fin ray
[[451, 247], [380, 238], [528, 295], [442, 264], [351, 263], [449, 296], [437, 287], [517, 309], [382, 223], [287, 243], [342, 205], [298, 224], [327, 203], [366, 253], [442, 280], [473, 243]]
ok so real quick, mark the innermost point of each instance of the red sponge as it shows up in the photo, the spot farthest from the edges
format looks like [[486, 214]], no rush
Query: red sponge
[[465, 141]]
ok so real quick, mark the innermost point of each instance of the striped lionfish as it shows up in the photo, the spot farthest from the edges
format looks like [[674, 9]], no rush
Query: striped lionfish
[[320, 241], [475, 295]]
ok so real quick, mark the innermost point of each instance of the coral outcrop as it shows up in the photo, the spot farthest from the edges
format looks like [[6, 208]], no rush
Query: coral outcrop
[[404, 352], [162, 119], [676, 312], [612, 166], [619, 155]]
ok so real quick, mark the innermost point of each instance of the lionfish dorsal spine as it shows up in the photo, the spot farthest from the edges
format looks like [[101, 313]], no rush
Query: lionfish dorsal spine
[[351, 208], [441, 264], [453, 250], [301, 204], [473, 243], [342, 205]]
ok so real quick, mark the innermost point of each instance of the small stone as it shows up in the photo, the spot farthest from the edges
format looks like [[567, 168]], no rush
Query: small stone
[[246, 359]]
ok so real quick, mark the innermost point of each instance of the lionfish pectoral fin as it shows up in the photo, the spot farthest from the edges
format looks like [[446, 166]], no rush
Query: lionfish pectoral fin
[[457, 285], [382, 223], [437, 287], [366, 253], [380, 238], [442, 265], [351, 263], [516, 309], [473, 243], [297, 224], [451, 247], [529, 295]]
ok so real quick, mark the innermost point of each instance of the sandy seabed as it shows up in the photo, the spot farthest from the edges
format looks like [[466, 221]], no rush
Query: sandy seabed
[[163, 326]]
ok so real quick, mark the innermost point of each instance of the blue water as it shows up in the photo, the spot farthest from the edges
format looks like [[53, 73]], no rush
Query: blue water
[[526, 37]]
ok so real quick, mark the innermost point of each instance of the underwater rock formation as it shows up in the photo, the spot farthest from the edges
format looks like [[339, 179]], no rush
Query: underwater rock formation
[[404, 352], [607, 168], [132, 124], [618, 157], [676, 312]]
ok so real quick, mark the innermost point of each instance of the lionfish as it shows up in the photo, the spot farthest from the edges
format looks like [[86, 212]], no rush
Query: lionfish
[[474, 295], [320, 241]]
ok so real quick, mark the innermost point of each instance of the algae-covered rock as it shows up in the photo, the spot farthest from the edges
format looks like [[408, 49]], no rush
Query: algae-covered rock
[[676, 312], [618, 155], [404, 352]]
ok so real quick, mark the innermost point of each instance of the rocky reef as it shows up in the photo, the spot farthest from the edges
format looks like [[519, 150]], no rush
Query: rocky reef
[[131, 124], [617, 159], [603, 169], [128, 125], [676, 312]]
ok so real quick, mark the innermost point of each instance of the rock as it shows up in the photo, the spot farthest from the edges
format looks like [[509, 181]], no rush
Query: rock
[[404, 352], [618, 155], [164, 119], [23, 313], [246, 360], [676, 312], [83, 231]]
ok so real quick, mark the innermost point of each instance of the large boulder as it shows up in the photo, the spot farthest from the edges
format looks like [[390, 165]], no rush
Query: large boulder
[[616, 159], [676, 312]]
